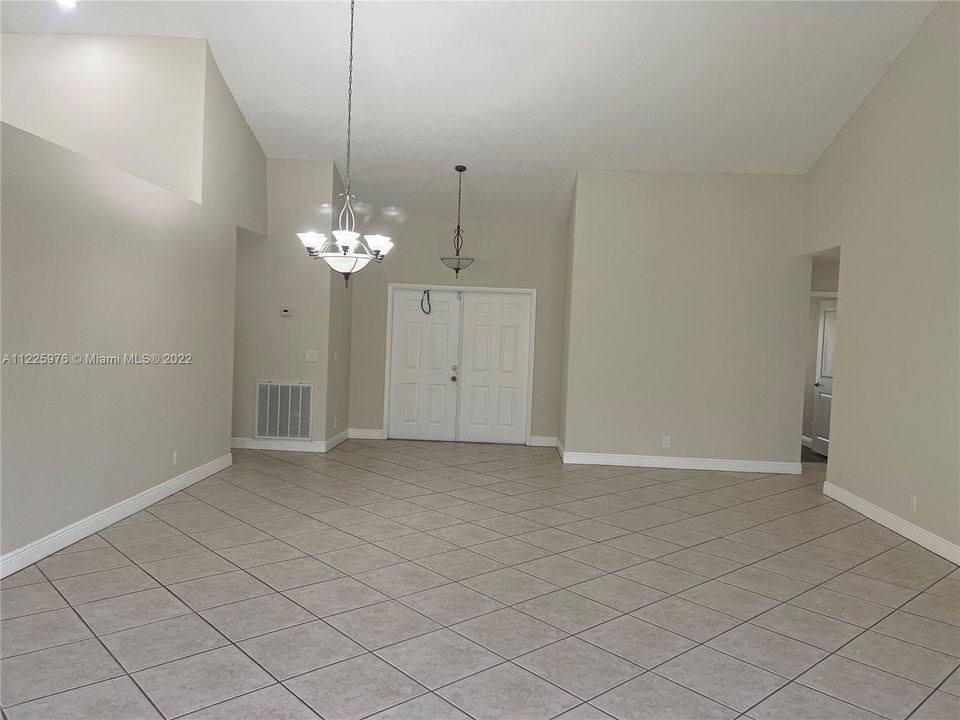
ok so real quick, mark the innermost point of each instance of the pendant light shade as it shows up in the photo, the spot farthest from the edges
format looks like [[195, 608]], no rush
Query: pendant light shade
[[347, 253], [458, 262]]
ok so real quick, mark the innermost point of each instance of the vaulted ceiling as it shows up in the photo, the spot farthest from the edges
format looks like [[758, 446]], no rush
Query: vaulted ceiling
[[526, 93]]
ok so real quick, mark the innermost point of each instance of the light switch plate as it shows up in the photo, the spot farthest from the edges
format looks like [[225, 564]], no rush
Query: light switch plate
[[310, 356]]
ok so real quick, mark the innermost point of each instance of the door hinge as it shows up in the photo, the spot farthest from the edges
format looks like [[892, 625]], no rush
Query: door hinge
[[459, 294]]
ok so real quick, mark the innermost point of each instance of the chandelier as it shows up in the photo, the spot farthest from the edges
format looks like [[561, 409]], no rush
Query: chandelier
[[347, 253], [457, 262]]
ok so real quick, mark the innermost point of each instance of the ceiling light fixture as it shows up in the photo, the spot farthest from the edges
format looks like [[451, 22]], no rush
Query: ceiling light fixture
[[67, 4], [458, 263], [347, 253]]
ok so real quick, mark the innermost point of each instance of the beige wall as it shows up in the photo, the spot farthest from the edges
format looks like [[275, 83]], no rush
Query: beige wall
[[136, 104], [274, 272], [694, 327], [886, 190], [509, 254], [234, 166], [97, 261], [107, 248], [824, 277]]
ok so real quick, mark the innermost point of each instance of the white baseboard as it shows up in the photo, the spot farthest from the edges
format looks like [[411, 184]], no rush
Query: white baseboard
[[39, 549], [318, 446], [934, 543], [543, 441], [680, 463], [806, 442], [366, 434], [331, 443]]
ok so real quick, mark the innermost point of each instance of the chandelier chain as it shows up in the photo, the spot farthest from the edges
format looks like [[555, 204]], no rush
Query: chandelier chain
[[350, 99]]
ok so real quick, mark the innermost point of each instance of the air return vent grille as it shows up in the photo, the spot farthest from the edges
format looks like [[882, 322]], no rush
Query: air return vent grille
[[284, 410]]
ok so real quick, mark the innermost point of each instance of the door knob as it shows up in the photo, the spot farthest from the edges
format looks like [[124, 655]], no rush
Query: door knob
[[453, 377], [816, 384]]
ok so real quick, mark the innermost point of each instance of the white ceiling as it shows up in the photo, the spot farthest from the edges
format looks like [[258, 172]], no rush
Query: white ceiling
[[525, 93]]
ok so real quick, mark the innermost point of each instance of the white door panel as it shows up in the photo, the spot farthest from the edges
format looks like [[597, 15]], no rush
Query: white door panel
[[823, 387], [494, 375], [423, 397]]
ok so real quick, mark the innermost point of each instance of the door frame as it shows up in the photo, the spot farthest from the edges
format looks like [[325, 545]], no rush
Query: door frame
[[393, 286], [825, 305]]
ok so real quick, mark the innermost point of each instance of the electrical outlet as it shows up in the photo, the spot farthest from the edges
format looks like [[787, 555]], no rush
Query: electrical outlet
[[310, 355], [913, 503], [665, 442], [176, 457]]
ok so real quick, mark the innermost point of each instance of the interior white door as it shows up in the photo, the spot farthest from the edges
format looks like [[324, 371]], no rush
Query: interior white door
[[823, 385], [495, 370], [424, 357]]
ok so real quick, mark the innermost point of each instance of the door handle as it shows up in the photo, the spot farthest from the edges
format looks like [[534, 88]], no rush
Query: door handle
[[453, 378], [816, 384]]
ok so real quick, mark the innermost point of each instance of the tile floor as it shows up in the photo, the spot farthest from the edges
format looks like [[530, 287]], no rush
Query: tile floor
[[423, 581]]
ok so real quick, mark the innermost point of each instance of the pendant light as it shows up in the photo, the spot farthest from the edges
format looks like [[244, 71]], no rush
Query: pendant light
[[347, 253], [457, 262]]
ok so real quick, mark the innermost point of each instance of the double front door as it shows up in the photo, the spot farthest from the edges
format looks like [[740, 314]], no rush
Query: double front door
[[460, 365]]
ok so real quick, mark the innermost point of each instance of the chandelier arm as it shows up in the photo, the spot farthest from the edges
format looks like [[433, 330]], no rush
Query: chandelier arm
[[346, 212]]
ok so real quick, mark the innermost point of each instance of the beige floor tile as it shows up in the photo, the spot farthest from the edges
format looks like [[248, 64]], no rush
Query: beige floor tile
[[638, 641], [579, 667], [205, 593], [508, 691], [721, 677], [28, 599], [651, 697], [354, 688], [126, 611], [41, 630], [275, 702], [377, 626], [160, 642], [199, 681], [117, 699], [439, 658], [796, 702], [335, 596], [249, 618], [44, 672], [768, 650], [508, 632], [693, 621], [296, 650], [901, 658], [865, 686]]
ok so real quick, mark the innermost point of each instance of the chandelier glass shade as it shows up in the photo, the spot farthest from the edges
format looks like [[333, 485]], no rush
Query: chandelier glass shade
[[458, 262], [347, 253]]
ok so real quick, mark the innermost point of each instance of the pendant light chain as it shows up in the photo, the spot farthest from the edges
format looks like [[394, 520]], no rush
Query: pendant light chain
[[350, 98]]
